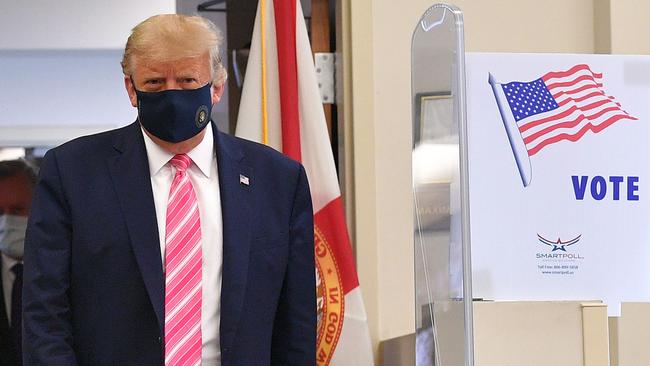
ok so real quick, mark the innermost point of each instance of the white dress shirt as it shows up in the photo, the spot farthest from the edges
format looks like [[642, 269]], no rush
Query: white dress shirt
[[8, 278], [205, 179]]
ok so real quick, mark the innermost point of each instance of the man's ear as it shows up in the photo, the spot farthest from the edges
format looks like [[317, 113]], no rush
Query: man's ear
[[217, 92], [130, 89]]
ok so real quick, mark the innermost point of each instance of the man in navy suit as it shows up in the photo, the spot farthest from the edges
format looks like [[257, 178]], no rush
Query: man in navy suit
[[17, 181], [167, 241]]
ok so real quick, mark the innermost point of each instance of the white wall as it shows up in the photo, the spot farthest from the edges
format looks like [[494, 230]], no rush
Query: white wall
[[49, 97], [630, 28], [527, 25], [73, 24]]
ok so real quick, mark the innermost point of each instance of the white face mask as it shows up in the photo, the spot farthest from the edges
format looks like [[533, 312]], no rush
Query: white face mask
[[12, 235]]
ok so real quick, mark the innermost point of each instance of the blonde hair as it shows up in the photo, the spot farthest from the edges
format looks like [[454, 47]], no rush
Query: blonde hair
[[169, 37]]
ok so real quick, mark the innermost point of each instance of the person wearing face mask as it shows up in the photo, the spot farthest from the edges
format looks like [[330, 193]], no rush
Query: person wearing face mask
[[168, 242], [17, 180]]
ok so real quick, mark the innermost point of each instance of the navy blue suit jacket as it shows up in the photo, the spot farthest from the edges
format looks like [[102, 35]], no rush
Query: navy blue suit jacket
[[94, 286]]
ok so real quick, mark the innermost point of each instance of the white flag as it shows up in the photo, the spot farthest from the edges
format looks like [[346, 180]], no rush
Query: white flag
[[281, 107]]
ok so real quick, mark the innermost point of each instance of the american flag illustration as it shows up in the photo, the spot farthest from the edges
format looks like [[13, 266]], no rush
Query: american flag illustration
[[559, 106]]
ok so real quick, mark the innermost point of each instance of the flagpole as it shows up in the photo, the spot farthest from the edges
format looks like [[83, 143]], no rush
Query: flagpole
[[514, 136]]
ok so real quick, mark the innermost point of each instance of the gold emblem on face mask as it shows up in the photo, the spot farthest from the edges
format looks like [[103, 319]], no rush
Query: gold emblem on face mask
[[201, 116]]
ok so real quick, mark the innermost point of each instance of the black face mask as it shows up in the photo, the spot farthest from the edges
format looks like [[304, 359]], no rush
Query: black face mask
[[175, 115]]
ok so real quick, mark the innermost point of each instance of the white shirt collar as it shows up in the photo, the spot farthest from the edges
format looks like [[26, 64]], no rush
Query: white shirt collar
[[8, 262], [201, 155]]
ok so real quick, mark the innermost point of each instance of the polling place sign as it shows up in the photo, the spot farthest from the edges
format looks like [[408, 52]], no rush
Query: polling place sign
[[559, 158]]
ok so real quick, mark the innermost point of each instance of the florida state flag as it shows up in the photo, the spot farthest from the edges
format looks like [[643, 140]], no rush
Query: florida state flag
[[281, 107]]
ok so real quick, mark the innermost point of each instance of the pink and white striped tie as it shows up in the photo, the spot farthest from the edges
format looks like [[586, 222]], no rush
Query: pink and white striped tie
[[182, 270]]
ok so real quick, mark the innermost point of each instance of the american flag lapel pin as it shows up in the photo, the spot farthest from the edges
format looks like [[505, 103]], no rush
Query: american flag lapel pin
[[244, 180]]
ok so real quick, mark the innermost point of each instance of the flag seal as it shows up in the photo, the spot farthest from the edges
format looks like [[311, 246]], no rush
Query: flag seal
[[331, 299]]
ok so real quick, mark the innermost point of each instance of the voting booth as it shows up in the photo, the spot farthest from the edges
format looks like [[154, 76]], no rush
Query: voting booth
[[440, 191], [538, 163]]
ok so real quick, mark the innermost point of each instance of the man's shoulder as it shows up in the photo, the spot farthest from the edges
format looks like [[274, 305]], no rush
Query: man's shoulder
[[93, 145], [92, 141]]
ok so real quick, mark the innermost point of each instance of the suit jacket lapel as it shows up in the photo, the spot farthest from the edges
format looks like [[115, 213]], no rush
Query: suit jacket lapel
[[4, 321], [130, 173], [236, 211]]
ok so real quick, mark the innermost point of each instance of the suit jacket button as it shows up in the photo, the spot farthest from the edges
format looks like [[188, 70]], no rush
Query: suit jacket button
[[160, 340]]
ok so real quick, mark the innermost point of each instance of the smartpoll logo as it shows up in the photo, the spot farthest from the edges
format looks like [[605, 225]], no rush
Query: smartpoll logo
[[561, 258], [559, 249], [558, 106]]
